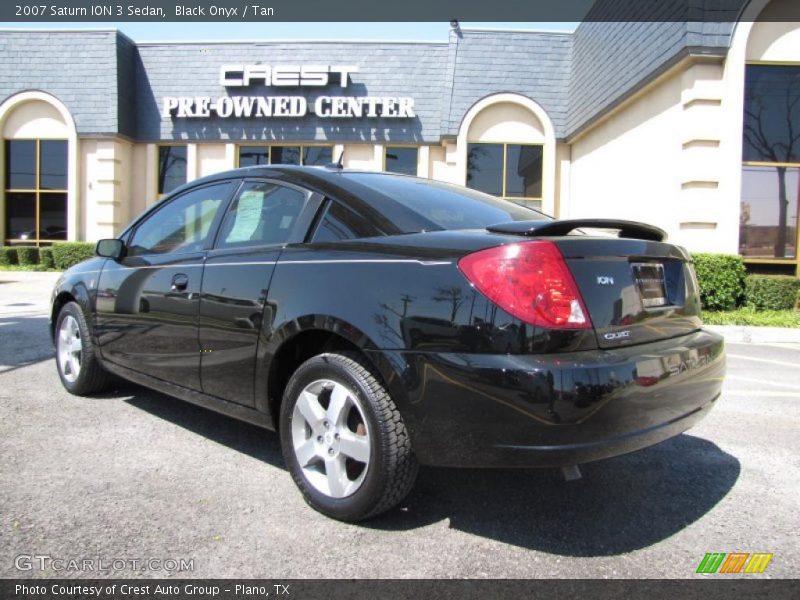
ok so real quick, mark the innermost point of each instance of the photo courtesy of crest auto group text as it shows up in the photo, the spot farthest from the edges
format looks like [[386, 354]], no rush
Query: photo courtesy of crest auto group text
[[394, 300]]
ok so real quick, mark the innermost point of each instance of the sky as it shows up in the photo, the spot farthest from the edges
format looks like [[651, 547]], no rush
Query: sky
[[418, 31]]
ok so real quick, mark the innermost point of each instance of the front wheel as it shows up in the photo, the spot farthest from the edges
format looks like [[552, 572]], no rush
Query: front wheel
[[344, 440], [78, 367]]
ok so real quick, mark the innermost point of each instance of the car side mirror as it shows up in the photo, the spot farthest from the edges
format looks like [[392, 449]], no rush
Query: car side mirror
[[110, 248]]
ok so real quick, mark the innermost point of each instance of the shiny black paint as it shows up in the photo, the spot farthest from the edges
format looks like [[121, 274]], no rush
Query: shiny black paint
[[475, 385]]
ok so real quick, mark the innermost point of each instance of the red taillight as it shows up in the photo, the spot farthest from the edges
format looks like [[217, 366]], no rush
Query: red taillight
[[531, 281]]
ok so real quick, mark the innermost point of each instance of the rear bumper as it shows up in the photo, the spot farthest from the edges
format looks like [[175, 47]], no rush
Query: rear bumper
[[556, 410]]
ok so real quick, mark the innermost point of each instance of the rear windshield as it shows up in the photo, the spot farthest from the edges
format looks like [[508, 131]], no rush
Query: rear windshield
[[445, 206]]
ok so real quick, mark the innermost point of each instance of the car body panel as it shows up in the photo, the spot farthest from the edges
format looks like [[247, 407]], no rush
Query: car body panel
[[474, 384]]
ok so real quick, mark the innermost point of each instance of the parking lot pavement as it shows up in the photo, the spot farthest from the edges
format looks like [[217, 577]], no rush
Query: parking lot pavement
[[134, 474]]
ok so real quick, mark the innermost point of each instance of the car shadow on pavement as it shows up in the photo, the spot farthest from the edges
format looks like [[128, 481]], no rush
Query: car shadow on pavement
[[25, 341], [237, 435], [620, 504]]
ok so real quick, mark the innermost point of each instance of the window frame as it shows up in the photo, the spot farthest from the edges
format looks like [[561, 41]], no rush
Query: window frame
[[759, 163], [268, 147], [504, 173], [128, 235], [37, 191]]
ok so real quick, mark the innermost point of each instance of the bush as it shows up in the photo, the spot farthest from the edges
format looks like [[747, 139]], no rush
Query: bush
[[68, 254], [771, 292], [46, 257], [27, 255], [721, 278], [8, 255]]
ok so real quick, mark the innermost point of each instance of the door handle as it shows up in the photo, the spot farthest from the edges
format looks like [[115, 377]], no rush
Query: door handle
[[179, 282]]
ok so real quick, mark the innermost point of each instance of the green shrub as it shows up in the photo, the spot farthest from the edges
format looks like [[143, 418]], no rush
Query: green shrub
[[721, 278], [27, 255], [46, 257], [68, 254], [8, 255], [771, 292]]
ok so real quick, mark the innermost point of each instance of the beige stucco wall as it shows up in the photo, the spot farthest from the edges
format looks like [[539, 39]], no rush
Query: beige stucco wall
[[213, 158], [657, 160], [106, 187], [363, 156]]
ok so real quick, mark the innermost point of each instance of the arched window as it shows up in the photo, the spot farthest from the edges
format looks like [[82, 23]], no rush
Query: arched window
[[509, 147], [36, 171]]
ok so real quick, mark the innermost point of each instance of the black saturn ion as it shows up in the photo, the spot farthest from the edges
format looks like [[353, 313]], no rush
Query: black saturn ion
[[380, 321]]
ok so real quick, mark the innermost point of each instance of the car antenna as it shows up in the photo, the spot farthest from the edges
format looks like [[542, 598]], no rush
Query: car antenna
[[339, 164]]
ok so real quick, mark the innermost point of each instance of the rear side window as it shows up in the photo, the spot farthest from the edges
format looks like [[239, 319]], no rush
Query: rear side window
[[442, 205], [263, 213], [340, 223]]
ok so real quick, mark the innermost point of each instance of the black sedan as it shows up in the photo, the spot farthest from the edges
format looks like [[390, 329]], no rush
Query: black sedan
[[380, 321]]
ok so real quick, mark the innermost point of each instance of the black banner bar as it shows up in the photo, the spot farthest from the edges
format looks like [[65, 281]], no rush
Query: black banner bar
[[55, 11], [715, 587]]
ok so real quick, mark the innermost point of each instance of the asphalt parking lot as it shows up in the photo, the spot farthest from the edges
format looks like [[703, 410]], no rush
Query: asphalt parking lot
[[135, 474]]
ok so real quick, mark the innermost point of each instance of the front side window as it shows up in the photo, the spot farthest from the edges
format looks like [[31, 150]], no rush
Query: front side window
[[770, 162], [285, 155], [506, 170], [36, 191], [263, 213], [182, 225], [400, 159], [171, 168]]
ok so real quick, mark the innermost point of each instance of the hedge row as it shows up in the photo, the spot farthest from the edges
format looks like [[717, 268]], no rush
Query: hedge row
[[725, 285], [58, 256], [771, 292]]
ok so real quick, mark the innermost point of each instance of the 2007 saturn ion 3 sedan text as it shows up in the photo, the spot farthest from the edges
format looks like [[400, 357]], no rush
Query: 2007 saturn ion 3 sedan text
[[380, 321]]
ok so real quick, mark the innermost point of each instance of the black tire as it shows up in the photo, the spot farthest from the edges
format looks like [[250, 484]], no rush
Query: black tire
[[91, 376], [391, 469]]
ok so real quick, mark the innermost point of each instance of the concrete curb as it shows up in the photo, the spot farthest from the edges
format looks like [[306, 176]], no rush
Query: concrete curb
[[746, 334]]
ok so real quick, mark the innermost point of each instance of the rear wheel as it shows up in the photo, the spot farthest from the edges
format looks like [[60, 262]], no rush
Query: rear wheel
[[343, 439], [78, 367]]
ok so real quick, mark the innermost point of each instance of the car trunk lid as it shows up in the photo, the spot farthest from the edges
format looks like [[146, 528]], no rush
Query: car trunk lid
[[636, 287]]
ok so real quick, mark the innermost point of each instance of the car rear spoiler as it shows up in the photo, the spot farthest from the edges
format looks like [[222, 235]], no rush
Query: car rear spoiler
[[627, 229]]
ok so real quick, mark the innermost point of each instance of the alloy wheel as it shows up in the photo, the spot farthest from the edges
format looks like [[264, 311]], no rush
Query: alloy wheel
[[331, 438]]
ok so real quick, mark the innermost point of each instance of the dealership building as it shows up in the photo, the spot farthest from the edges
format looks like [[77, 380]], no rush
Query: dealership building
[[691, 126]]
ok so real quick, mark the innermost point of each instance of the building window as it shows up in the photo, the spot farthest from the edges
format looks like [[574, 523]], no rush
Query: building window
[[171, 168], [36, 191], [512, 171], [401, 159], [771, 163], [250, 156]]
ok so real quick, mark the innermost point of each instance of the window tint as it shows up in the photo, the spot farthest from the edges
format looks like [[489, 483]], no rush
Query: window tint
[[21, 164], [171, 168], [441, 205], [263, 213], [340, 223], [485, 168], [285, 155], [53, 164], [182, 225], [317, 155], [524, 171], [401, 160], [772, 113], [250, 156]]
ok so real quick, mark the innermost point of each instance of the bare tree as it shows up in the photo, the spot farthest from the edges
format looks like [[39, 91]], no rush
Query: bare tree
[[772, 149]]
